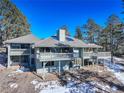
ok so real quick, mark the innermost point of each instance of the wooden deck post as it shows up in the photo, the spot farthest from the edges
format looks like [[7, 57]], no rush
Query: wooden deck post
[[104, 65], [83, 56], [93, 64], [8, 56], [30, 56], [59, 67], [44, 70], [97, 60]]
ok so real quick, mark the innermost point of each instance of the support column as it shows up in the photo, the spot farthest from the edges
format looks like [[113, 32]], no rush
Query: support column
[[59, 67], [88, 63], [37, 59], [30, 56], [44, 73], [81, 55], [104, 65], [97, 59], [8, 56], [93, 64]]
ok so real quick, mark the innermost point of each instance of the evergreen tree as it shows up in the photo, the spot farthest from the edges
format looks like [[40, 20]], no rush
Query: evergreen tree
[[13, 22], [122, 6], [78, 33], [112, 34], [92, 29]]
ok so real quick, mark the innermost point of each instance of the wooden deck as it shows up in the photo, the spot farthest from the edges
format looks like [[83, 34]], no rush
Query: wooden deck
[[71, 56]]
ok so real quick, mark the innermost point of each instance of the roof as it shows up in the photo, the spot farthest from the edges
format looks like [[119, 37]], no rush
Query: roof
[[30, 38], [52, 41], [69, 42]]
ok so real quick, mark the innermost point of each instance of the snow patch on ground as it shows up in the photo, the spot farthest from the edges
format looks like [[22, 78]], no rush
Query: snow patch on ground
[[11, 75], [118, 59], [84, 87], [114, 88], [2, 67], [116, 69], [13, 85], [71, 87], [56, 89], [34, 82], [120, 76], [22, 69]]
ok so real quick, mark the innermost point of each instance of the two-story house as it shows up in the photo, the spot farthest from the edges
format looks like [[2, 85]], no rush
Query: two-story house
[[53, 54]]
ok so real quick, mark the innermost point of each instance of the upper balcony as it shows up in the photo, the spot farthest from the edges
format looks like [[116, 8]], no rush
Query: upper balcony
[[20, 52], [70, 56], [55, 56], [87, 55]]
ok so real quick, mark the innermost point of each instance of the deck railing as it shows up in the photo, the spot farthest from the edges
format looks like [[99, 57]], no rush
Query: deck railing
[[104, 54], [20, 52], [99, 54], [55, 56], [70, 56], [87, 54]]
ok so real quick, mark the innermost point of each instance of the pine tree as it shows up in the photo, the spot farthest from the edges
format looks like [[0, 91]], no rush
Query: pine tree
[[113, 28], [78, 33], [13, 22], [122, 6], [92, 29]]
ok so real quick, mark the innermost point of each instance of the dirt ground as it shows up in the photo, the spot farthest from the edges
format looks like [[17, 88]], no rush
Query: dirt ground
[[7, 78], [15, 82]]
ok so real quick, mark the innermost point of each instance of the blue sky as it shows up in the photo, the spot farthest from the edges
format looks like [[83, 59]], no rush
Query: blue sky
[[46, 16]]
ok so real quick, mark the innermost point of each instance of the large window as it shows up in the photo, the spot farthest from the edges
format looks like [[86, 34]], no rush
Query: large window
[[15, 59], [25, 46], [56, 50], [15, 46], [32, 51], [22, 59], [42, 49], [45, 50], [25, 59], [50, 63], [20, 46], [67, 50]]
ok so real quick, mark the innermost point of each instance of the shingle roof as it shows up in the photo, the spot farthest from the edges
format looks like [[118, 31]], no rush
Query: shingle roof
[[70, 42], [51, 42], [30, 38]]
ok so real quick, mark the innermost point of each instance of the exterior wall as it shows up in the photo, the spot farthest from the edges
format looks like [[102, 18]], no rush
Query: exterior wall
[[40, 64], [19, 50]]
